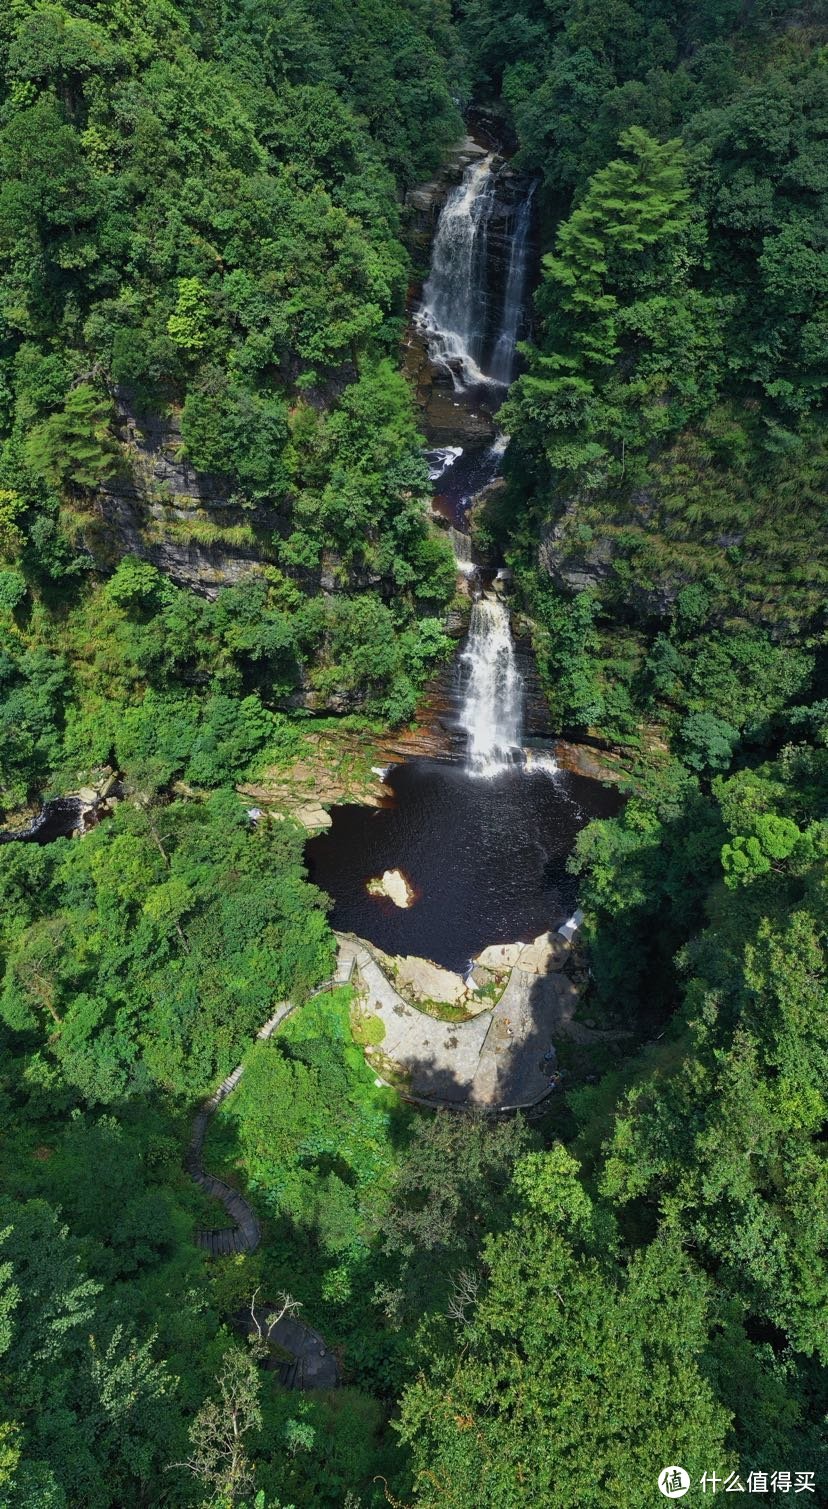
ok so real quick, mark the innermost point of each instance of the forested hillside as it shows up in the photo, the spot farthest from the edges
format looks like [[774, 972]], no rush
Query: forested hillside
[[200, 219], [669, 431], [214, 525]]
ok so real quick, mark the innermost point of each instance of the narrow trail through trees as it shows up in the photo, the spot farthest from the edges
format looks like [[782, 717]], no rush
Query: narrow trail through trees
[[246, 1234]]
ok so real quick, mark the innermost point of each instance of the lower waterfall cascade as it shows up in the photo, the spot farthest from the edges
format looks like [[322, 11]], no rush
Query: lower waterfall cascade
[[491, 716]]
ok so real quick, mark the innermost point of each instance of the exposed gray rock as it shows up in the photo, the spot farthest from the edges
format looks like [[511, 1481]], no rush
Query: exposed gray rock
[[421, 980], [500, 956], [547, 953], [578, 564], [457, 623], [481, 977], [185, 522], [572, 568], [425, 201]]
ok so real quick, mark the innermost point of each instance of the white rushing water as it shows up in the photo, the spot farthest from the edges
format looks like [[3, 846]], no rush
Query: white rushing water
[[457, 321], [461, 544], [440, 459], [539, 762], [453, 313], [491, 715]]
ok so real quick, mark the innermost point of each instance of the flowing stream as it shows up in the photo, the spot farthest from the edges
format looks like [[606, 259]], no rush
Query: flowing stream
[[471, 320], [503, 358], [485, 858]]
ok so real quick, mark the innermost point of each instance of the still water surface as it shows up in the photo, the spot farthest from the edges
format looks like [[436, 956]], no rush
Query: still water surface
[[487, 858]]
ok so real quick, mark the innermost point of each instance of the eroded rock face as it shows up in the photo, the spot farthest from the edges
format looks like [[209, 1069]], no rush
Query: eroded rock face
[[579, 558], [425, 201], [594, 762], [190, 525], [543, 956], [480, 977], [574, 568], [393, 884], [442, 416], [185, 522]]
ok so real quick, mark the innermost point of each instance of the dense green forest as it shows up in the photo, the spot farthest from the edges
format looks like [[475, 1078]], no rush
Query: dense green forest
[[202, 227]]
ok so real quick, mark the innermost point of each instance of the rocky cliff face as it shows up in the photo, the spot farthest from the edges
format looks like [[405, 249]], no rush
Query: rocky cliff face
[[621, 562], [188, 523], [573, 565], [185, 522], [424, 202]]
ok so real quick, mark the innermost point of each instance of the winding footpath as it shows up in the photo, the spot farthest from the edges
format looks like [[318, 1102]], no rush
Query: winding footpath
[[311, 1363], [246, 1233]]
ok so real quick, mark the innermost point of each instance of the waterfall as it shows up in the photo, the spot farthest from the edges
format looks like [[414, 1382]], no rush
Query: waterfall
[[453, 313], [459, 297], [471, 312], [503, 358], [492, 712]]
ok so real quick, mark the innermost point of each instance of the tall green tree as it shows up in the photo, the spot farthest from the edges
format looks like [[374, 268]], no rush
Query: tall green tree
[[576, 1378], [76, 445]]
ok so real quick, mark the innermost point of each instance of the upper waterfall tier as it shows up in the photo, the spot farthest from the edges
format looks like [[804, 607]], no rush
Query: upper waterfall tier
[[454, 297], [474, 297]]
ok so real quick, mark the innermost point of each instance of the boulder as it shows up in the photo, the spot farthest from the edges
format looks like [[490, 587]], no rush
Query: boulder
[[546, 954], [481, 977], [312, 817], [500, 956], [393, 884], [419, 979]]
